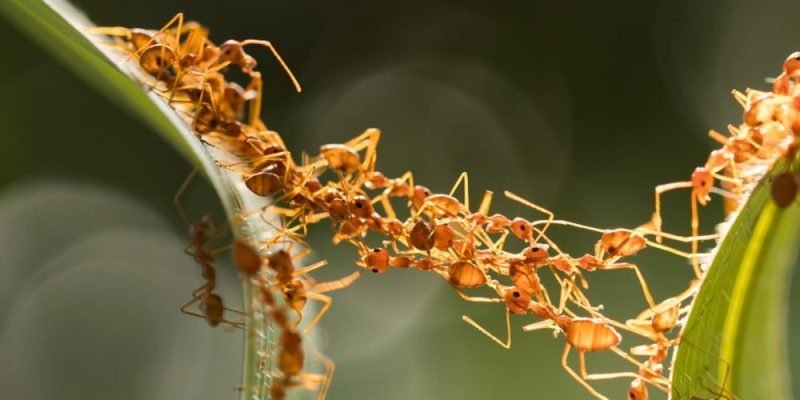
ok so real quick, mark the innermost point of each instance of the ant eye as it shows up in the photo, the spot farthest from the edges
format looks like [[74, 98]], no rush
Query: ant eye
[[375, 270], [515, 294], [535, 249], [377, 250], [359, 205]]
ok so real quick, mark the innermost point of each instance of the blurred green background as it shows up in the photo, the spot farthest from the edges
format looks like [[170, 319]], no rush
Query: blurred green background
[[582, 107]]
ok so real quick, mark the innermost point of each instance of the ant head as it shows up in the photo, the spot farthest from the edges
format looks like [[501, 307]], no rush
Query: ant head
[[156, 60], [464, 274], [231, 51], [521, 228], [376, 260], [205, 120], [361, 207], [536, 253], [518, 301], [782, 84], [665, 320], [638, 390], [419, 195], [702, 183], [792, 65]]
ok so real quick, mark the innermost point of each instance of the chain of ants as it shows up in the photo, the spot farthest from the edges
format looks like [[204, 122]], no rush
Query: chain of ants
[[441, 234]]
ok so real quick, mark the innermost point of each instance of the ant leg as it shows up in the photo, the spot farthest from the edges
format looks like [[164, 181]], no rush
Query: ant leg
[[371, 155], [257, 84], [476, 299], [550, 215], [507, 344], [660, 382], [546, 324], [317, 265], [661, 189], [615, 375], [720, 138], [577, 377], [268, 45], [330, 367], [176, 198], [258, 160], [341, 283], [195, 298], [740, 98], [694, 286], [234, 324], [463, 178], [642, 282], [486, 203], [117, 31], [177, 18], [387, 207], [327, 302], [695, 228]]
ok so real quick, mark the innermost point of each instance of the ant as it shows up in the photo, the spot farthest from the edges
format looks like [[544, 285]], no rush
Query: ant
[[592, 335], [211, 304]]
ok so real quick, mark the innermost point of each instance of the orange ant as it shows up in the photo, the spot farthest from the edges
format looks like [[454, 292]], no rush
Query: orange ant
[[291, 356], [296, 291], [211, 304], [592, 335], [159, 52]]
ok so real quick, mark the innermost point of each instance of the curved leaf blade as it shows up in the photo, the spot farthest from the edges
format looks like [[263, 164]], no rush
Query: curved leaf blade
[[734, 341], [60, 28]]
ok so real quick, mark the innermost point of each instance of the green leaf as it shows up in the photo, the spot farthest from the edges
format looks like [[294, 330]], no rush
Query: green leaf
[[735, 336], [60, 28]]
